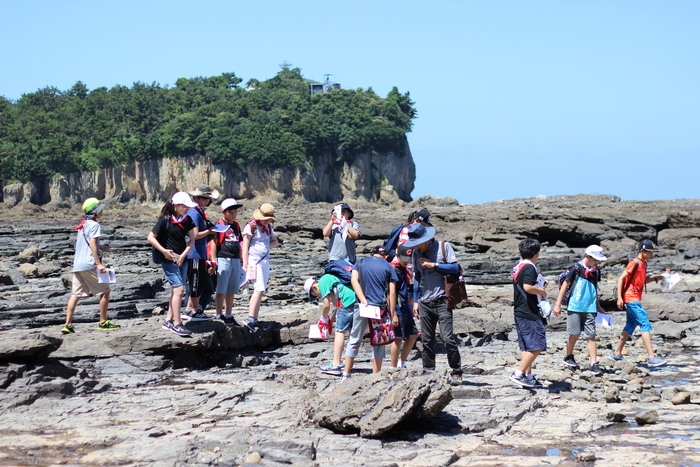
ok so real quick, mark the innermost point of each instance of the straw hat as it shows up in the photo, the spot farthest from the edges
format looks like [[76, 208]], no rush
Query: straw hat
[[264, 212], [204, 191]]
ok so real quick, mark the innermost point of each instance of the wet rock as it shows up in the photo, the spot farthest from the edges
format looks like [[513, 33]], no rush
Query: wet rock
[[28, 270], [5, 278], [647, 417], [681, 398], [615, 417], [612, 394]]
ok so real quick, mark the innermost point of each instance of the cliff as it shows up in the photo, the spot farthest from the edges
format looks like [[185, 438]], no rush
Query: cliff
[[369, 176]]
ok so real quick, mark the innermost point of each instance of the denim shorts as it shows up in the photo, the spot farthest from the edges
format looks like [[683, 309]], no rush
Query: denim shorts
[[531, 334], [343, 319], [228, 275], [407, 326], [177, 277], [636, 316]]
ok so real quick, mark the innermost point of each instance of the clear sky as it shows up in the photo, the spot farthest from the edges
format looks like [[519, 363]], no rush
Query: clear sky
[[515, 98]]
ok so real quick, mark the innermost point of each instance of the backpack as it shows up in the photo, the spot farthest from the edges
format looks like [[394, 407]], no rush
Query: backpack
[[562, 278], [340, 268], [455, 285], [392, 241], [219, 239]]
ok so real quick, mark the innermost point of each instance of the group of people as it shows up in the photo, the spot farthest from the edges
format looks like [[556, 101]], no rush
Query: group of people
[[404, 279]]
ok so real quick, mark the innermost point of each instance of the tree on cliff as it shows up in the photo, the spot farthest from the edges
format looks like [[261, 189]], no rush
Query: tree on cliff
[[277, 124]]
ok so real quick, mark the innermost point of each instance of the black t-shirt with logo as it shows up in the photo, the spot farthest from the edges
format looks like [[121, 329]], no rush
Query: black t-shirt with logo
[[526, 308], [231, 246]]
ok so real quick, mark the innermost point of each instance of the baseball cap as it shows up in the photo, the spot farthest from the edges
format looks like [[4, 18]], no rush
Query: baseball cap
[[307, 286], [92, 206], [424, 216], [230, 203], [405, 253], [596, 252], [647, 245], [379, 249], [182, 197]]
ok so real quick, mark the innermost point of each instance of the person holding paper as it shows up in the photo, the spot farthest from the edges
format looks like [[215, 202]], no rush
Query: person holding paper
[[584, 304], [226, 260], [374, 283], [86, 264], [405, 326], [343, 231], [630, 286]]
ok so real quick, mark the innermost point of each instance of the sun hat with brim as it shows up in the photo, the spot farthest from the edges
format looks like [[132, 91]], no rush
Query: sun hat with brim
[[230, 203], [596, 252], [307, 286], [182, 197], [92, 207], [264, 212], [647, 245], [204, 191], [346, 206], [417, 234], [405, 253]]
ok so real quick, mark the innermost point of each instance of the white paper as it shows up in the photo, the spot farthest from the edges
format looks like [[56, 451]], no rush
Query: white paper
[[604, 320], [220, 228], [670, 281], [314, 332], [109, 277], [370, 311]]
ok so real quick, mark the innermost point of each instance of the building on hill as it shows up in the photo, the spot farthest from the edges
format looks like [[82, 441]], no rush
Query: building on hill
[[320, 88]]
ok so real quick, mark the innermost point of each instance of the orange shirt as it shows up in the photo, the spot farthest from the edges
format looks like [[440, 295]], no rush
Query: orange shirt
[[636, 282]]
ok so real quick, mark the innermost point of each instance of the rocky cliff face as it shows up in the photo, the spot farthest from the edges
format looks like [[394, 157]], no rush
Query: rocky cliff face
[[370, 176]]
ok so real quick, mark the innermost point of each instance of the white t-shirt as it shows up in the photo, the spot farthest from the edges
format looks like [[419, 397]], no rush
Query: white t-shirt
[[83, 260], [259, 242]]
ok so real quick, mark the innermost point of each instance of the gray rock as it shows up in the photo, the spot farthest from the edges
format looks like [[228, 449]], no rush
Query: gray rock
[[612, 394], [20, 345], [28, 270], [616, 417], [681, 398], [32, 252], [647, 417]]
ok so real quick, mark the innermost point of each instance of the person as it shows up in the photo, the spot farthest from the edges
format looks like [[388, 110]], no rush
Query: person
[[87, 262], [374, 283], [405, 326], [429, 299], [630, 286], [173, 237], [200, 288], [584, 304], [258, 238], [343, 231], [529, 325], [226, 260], [332, 291]]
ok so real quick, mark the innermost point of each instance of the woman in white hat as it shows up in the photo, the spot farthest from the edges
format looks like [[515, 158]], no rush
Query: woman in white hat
[[258, 238]]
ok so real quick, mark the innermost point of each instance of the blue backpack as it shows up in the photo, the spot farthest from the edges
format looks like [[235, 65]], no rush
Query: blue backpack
[[562, 278], [340, 268], [392, 241]]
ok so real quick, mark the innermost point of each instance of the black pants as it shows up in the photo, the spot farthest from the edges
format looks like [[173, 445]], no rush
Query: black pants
[[431, 314], [199, 282]]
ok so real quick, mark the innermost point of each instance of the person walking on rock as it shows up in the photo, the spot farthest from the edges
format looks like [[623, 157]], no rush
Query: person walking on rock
[[431, 261], [200, 288], [374, 283], [173, 237], [87, 262], [343, 231], [630, 286], [405, 326], [258, 239], [226, 259], [584, 304], [532, 337]]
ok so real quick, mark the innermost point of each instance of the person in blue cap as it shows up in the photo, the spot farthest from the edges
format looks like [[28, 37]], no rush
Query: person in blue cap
[[430, 265], [343, 231]]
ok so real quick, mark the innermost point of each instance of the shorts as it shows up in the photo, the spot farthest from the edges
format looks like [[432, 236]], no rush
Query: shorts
[[198, 277], [531, 334], [262, 274], [85, 282], [228, 275], [577, 322], [636, 316], [343, 319], [177, 277], [407, 326]]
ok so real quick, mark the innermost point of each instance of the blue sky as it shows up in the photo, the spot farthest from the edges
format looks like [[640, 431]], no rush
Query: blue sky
[[515, 99]]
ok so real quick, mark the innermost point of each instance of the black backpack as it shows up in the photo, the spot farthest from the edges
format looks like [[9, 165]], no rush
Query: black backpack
[[341, 269], [392, 241]]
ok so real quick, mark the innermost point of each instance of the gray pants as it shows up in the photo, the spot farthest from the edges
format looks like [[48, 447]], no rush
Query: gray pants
[[359, 327], [431, 314]]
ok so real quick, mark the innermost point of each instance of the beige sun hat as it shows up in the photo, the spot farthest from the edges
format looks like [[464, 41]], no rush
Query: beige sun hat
[[264, 212], [205, 191]]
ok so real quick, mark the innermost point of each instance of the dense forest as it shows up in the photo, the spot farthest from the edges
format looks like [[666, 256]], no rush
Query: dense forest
[[276, 123]]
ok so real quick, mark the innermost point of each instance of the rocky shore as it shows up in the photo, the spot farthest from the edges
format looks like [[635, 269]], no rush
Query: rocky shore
[[226, 396]]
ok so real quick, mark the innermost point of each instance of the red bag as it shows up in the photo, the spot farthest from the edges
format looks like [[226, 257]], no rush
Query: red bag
[[381, 331]]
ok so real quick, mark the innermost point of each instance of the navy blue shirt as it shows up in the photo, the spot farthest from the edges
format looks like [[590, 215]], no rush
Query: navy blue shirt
[[375, 273]]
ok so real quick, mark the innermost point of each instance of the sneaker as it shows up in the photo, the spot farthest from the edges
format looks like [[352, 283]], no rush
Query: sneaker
[[656, 361], [187, 313], [346, 376], [167, 325], [108, 326], [569, 360], [198, 315], [455, 379], [219, 316], [230, 321], [617, 358], [250, 323], [331, 369], [522, 380], [595, 369], [68, 329], [535, 382], [180, 330], [402, 364]]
